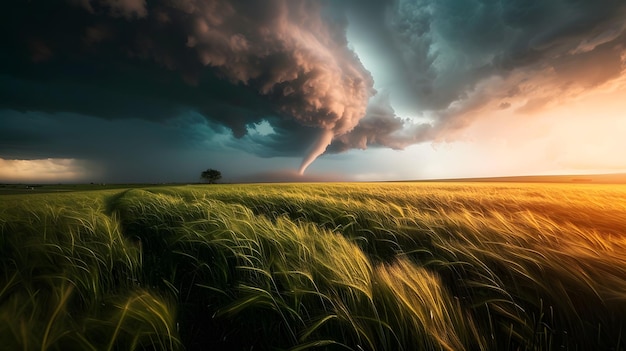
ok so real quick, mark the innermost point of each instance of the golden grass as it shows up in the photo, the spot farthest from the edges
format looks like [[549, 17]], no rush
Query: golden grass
[[426, 266]]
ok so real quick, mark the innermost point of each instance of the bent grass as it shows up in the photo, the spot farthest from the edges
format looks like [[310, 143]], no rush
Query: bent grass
[[332, 266]]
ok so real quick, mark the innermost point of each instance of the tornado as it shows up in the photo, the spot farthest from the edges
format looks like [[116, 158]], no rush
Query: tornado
[[316, 150]]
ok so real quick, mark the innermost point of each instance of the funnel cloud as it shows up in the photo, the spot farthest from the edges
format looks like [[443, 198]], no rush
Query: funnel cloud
[[325, 138]]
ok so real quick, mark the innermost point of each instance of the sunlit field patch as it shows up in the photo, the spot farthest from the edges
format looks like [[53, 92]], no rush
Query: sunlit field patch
[[426, 266]]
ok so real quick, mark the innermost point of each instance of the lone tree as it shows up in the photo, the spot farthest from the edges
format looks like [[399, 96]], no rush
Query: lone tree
[[211, 175]]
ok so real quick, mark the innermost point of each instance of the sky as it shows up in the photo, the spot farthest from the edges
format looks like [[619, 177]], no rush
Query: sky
[[157, 91]]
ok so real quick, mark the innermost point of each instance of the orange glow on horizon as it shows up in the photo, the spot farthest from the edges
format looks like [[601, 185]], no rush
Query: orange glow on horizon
[[43, 170], [546, 127]]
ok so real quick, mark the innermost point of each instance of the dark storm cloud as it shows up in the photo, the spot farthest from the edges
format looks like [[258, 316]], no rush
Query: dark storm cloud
[[121, 150], [234, 62], [38, 135], [381, 127], [287, 62], [450, 46], [288, 139], [447, 56]]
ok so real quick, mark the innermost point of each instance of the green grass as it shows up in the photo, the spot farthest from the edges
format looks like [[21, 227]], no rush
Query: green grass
[[30, 189], [398, 266]]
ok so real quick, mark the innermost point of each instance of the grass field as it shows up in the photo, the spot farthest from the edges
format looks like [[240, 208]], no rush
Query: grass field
[[380, 266]]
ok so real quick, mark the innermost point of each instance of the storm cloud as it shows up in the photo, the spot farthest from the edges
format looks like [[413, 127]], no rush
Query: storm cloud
[[68, 65], [381, 127], [450, 60], [235, 62]]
